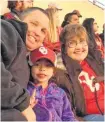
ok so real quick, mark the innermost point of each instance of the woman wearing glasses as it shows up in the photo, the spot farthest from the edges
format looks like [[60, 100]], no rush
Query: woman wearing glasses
[[85, 72]]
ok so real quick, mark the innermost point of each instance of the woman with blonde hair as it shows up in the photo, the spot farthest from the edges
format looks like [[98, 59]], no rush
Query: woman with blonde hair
[[52, 40]]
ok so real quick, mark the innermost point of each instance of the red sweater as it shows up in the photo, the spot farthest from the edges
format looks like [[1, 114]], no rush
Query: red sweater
[[85, 79], [9, 15]]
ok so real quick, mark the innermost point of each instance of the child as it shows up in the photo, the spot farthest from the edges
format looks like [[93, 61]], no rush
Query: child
[[85, 71], [50, 97]]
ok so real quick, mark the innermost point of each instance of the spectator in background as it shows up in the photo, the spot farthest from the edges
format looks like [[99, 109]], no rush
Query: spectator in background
[[52, 41], [94, 40], [70, 18], [16, 7], [54, 44], [58, 9], [54, 6], [77, 12], [16, 38], [102, 34]]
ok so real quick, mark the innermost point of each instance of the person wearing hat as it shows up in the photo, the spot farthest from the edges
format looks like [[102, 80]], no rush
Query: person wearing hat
[[50, 98], [54, 5], [57, 8], [77, 12], [70, 18]]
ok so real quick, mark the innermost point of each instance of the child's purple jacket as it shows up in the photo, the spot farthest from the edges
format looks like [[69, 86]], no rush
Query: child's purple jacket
[[52, 105]]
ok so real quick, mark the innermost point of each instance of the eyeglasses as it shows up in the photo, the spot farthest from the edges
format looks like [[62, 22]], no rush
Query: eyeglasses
[[72, 44]]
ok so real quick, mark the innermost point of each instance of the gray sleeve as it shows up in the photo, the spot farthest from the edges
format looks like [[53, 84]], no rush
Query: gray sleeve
[[13, 95]]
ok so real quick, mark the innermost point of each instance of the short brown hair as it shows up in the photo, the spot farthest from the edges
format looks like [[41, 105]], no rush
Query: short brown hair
[[72, 30]]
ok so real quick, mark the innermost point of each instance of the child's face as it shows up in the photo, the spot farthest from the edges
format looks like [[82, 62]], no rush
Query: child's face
[[77, 48], [42, 71]]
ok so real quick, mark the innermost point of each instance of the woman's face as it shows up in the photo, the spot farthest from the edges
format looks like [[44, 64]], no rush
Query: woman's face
[[95, 26], [77, 48]]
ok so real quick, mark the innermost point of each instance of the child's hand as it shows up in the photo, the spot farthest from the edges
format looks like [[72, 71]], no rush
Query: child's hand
[[33, 101], [29, 114]]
